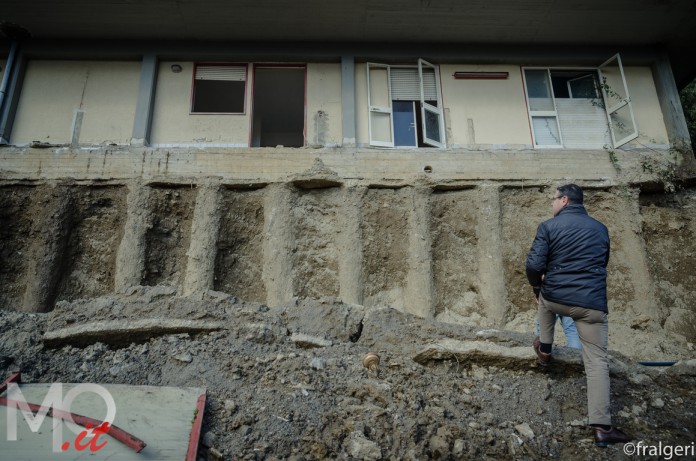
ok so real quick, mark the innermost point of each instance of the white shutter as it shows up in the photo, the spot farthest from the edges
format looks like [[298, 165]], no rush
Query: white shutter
[[583, 124], [230, 73], [405, 84]]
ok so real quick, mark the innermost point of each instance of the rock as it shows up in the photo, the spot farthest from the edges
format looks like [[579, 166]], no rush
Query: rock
[[361, 448], [209, 439], [637, 410], [640, 378], [525, 431], [439, 448], [230, 406], [683, 367], [458, 448], [308, 341], [318, 363], [215, 455], [658, 403], [185, 357], [113, 371]]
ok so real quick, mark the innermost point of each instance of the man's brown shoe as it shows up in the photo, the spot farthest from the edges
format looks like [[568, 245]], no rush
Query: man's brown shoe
[[603, 437], [543, 358]]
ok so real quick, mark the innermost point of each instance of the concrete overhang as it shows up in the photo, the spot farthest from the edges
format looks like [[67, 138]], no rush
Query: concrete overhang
[[666, 24]]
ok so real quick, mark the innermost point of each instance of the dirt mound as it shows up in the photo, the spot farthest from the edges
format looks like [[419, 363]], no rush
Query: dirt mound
[[288, 383]]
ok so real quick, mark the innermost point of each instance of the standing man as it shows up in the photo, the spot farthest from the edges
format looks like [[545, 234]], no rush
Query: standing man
[[567, 268]]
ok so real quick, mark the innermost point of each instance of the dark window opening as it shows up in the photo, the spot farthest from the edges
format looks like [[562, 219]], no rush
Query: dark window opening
[[279, 107], [218, 96]]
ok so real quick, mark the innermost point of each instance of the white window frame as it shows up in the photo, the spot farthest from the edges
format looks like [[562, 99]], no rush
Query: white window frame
[[429, 108], [624, 101], [542, 113], [373, 109], [376, 111]]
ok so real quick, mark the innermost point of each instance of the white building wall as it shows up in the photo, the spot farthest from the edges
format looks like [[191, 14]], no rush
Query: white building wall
[[646, 106], [54, 91], [485, 112], [324, 108], [173, 122]]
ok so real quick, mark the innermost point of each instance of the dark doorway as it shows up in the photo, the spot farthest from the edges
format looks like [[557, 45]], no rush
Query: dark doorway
[[279, 107]]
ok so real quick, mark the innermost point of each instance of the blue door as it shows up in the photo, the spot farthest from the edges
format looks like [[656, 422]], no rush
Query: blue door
[[404, 123]]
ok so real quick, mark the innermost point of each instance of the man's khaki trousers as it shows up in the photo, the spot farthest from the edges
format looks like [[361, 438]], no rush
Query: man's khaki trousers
[[593, 329]]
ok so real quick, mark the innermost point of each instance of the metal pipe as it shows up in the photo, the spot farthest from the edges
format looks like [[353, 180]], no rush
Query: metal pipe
[[8, 72]]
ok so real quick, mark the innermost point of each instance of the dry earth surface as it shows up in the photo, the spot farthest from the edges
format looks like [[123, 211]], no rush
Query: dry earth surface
[[288, 382]]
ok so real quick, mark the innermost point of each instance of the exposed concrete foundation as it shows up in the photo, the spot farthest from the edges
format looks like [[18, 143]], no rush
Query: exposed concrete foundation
[[445, 247]]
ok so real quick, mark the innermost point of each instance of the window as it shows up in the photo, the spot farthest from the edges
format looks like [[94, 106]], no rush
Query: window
[[580, 108], [219, 89], [405, 108]]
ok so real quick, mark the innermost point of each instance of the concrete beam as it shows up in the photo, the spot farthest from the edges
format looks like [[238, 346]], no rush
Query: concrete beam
[[670, 103], [419, 292], [491, 269], [278, 245], [130, 259], [451, 52], [200, 268], [351, 244]]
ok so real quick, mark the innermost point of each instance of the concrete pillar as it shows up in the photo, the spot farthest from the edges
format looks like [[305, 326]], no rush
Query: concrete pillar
[[200, 268], [278, 244], [636, 260], [348, 99], [670, 103], [47, 262], [130, 259], [146, 101], [351, 247], [419, 293], [491, 269], [11, 88]]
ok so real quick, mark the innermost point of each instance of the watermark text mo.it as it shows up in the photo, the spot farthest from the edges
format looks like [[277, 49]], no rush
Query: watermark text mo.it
[[59, 408]]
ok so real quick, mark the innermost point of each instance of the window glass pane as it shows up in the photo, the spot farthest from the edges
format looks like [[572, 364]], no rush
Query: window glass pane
[[379, 87], [432, 126], [622, 123], [546, 131], [218, 96], [538, 90], [380, 123], [583, 87]]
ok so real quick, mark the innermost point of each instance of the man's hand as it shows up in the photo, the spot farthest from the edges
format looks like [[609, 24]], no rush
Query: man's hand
[[536, 290]]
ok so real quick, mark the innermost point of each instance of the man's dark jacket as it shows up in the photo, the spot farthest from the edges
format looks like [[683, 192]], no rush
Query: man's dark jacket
[[571, 250]]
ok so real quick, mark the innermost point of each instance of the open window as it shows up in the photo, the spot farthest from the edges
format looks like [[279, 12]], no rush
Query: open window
[[219, 89], [404, 104], [579, 108], [617, 102]]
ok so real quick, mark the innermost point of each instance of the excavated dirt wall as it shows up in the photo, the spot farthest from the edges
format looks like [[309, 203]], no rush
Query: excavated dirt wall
[[454, 254], [239, 260], [169, 234], [453, 226]]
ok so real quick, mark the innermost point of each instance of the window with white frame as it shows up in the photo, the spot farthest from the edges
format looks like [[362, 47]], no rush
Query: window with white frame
[[219, 89], [580, 108], [405, 106]]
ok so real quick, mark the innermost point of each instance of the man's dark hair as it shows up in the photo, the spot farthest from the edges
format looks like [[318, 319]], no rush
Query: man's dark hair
[[572, 191]]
